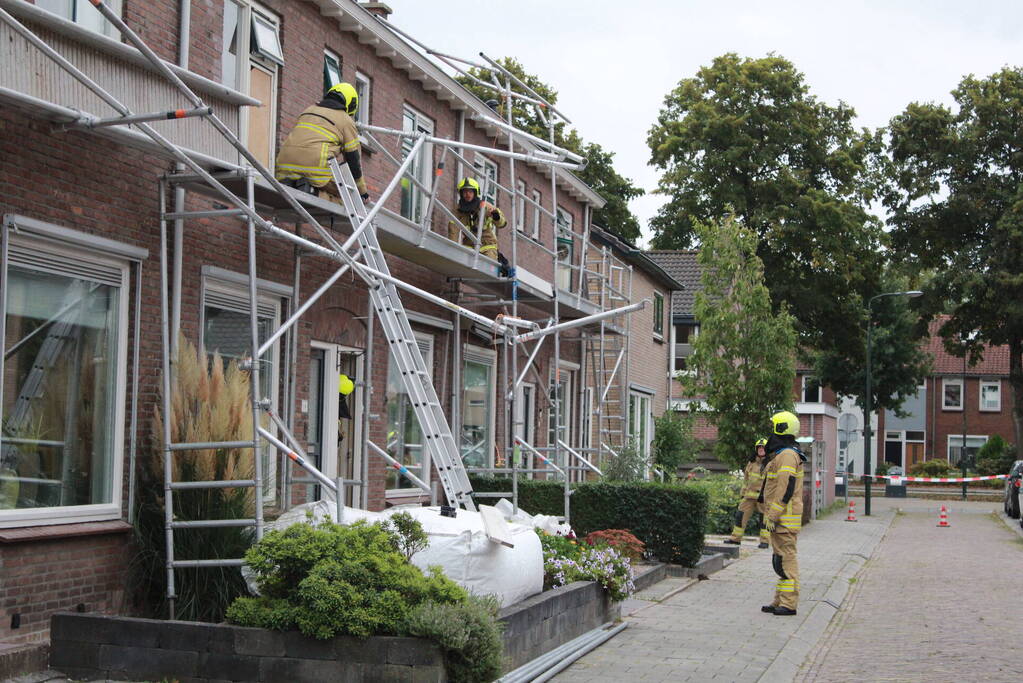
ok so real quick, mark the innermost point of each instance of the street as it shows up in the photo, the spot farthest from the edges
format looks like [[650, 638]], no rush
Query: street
[[891, 597]]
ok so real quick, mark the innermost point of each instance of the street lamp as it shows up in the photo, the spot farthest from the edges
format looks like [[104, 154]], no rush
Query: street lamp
[[868, 433]]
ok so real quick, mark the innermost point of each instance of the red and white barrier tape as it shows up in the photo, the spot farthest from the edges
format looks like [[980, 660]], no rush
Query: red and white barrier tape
[[934, 480]]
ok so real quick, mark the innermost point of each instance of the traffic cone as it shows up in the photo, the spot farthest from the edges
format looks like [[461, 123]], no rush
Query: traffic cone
[[851, 517], [943, 517]]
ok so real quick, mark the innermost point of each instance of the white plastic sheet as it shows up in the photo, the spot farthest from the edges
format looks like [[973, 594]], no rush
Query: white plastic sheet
[[459, 546]]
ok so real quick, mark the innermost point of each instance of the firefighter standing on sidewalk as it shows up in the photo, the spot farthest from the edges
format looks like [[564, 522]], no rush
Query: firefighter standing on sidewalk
[[752, 491], [783, 509]]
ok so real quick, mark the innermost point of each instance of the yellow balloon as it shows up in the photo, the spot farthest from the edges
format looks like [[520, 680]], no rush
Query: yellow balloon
[[345, 386]]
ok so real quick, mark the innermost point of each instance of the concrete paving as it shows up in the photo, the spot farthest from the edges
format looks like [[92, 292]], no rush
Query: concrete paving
[[934, 604], [714, 629]]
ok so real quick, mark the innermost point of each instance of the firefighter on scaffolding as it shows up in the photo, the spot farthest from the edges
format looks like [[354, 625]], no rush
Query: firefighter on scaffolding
[[323, 131], [471, 209]]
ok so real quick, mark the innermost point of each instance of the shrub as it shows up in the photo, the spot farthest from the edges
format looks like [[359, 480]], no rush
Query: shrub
[[668, 518], [674, 443], [329, 579], [629, 465], [995, 457], [620, 539], [408, 532], [724, 492], [210, 402], [566, 561], [882, 468], [931, 468], [468, 633]]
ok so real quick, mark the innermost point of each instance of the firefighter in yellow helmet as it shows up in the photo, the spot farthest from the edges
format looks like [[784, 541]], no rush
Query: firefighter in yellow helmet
[[323, 131], [752, 490], [472, 208], [783, 509]]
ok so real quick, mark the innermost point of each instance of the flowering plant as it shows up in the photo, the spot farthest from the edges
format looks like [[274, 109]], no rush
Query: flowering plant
[[621, 540], [565, 561]]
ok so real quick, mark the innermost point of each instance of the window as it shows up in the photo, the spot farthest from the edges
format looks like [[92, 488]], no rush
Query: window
[[478, 384], [525, 419], [537, 203], [64, 372], [520, 206], [331, 70], [363, 86], [404, 436], [225, 330], [640, 418], [811, 391], [955, 447], [413, 197], [83, 13], [658, 315], [486, 175], [952, 394], [560, 393], [682, 345], [991, 395], [566, 249], [250, 60], [586, 420]]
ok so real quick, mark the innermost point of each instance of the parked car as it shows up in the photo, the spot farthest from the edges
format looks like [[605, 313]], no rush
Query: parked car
[[1013, 490]]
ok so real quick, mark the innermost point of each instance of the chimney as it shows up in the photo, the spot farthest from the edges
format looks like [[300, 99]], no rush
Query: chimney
[[381, 9]]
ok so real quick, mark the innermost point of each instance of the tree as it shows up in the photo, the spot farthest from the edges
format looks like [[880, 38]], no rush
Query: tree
[[745, 135], [599, 174], [744, 355], [674, 442], [956, 203]]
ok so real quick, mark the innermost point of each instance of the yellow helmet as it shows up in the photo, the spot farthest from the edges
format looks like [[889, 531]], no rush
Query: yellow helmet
[[345, 385], [349, 94], [785, 423], [760, 442], [469, 183]]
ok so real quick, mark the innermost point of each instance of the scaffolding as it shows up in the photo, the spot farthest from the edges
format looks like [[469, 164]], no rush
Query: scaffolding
[[603, 281]]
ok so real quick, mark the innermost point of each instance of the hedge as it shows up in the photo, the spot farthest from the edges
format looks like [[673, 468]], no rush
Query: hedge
[[669, 518]]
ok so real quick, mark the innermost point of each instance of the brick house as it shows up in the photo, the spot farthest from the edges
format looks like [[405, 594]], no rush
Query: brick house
[[816, 406], [81, 212], [956, 399]]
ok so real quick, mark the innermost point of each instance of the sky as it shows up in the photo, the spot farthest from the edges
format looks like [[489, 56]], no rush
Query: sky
[[612, 63]]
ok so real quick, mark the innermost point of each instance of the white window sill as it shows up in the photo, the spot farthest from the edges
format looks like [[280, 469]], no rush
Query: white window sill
[[952, 409]]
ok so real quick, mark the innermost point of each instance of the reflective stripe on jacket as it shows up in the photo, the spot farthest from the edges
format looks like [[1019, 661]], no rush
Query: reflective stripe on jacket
[[785, 466], [320, 134], [488, 238]]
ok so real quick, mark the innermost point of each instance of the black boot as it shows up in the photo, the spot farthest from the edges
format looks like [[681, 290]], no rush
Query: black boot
[[768, 608], [732, 541], [784, 611], [763, 544]]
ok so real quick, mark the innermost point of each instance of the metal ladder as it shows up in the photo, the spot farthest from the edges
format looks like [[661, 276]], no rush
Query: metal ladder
[[415, 375]]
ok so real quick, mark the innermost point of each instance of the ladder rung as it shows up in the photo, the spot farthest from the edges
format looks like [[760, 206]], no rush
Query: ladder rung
[[213, 523], [226, 484], [185, 564]]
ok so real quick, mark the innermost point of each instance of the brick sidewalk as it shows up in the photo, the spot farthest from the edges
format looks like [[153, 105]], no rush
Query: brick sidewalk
[[715, 629], [933, 605]]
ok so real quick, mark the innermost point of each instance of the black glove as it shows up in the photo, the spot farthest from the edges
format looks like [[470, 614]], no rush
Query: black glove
[[495, 214], [365, 196]]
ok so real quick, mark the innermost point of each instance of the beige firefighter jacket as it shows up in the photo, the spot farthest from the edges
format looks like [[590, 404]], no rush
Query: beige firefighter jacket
[[786, 465], [321, 133], [488, 240], [754, 479]]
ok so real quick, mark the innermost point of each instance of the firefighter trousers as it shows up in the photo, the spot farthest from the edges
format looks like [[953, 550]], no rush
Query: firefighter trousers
[[746, 509], [783, 545]]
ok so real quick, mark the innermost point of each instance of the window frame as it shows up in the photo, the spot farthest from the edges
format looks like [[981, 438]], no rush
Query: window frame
[[330, 58], [658, 316], [988, 384], [488, 174], [642, 398], [807, 380], [427, 345], [233, 286], [951, 382], [959, 437], [424, 171], [73, 7], [362, 116], [564, 237], [87, 250], [488, 358], [520, 206], [537, 203]]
